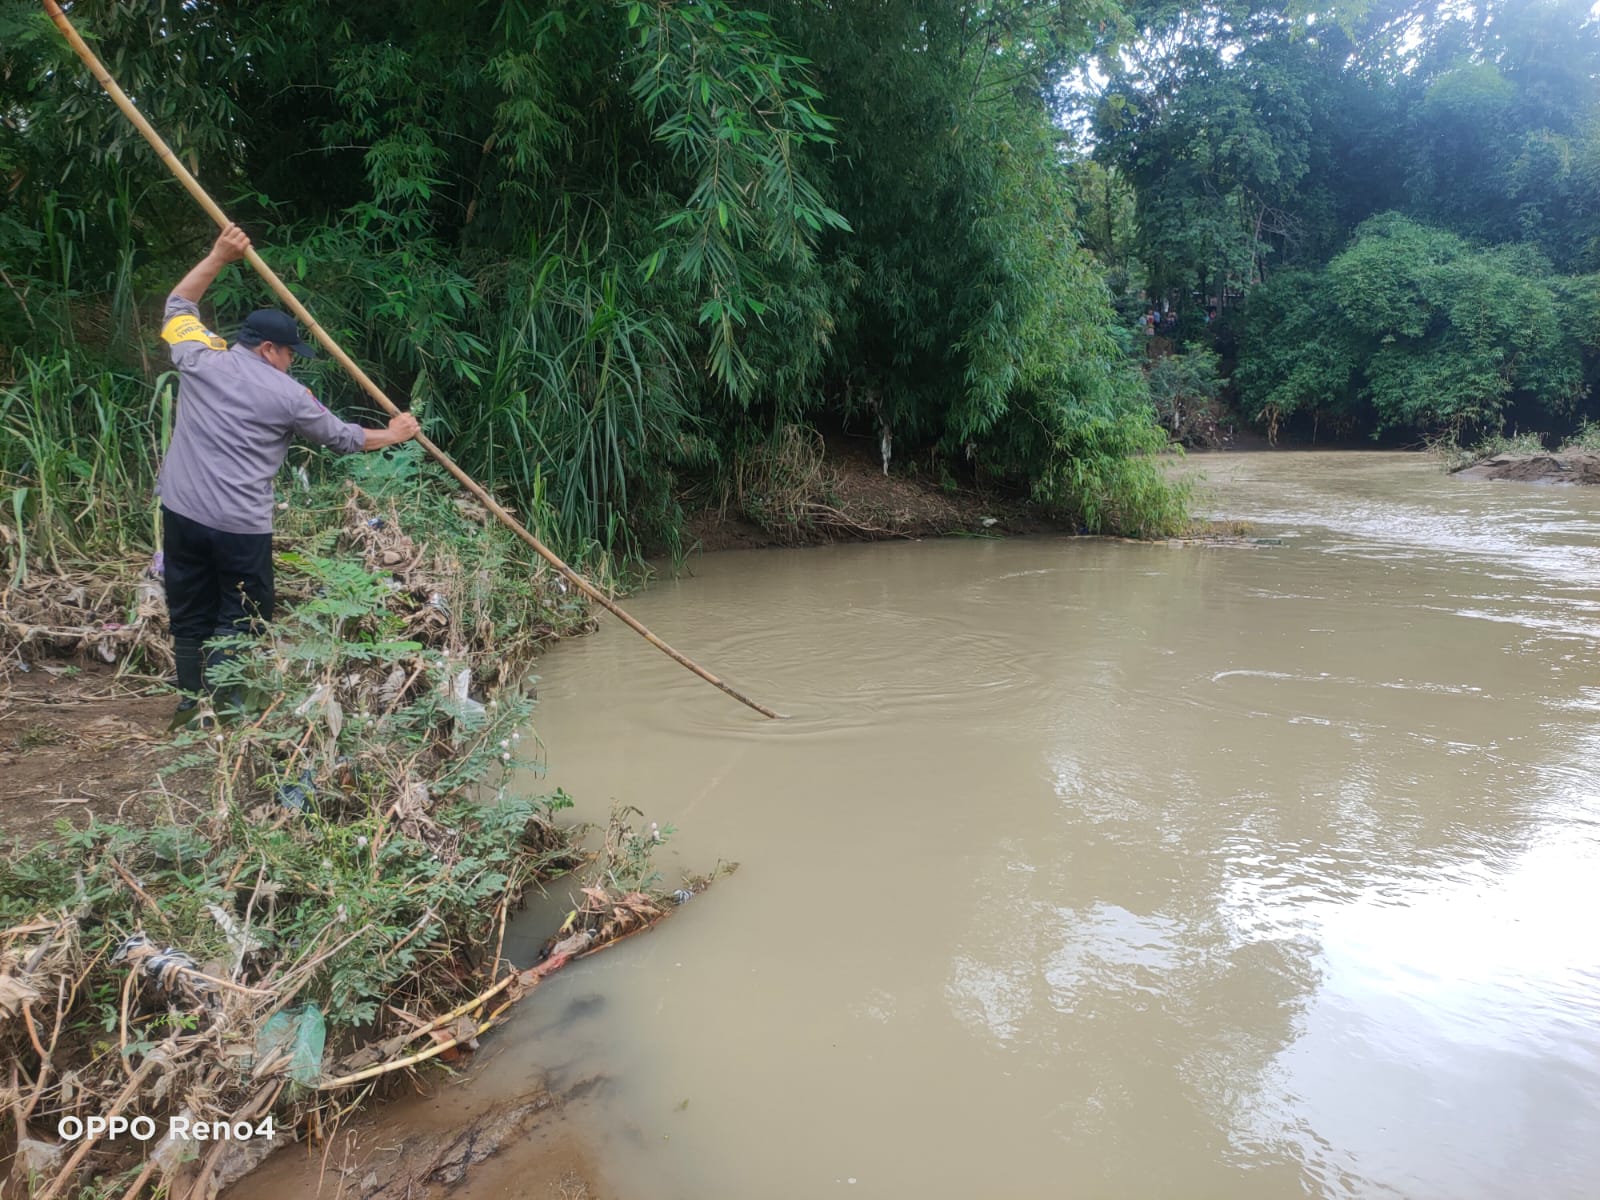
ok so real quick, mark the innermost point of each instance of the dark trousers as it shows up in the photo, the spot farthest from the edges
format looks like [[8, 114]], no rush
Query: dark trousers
[[218, 584]]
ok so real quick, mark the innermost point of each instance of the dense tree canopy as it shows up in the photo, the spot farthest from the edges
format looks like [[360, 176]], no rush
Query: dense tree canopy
[[612, 250], [1400, 201], [607, 247]]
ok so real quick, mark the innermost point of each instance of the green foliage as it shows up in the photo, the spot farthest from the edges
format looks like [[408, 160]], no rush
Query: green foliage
[[585, 409], [75, 450], [1296, 356], [1107, 219], [733, 106], [1105, 475], [1218, 137], [975, 321], [344, 845], [1416, 327], [1184, 388], [607, 245], [1342, 170], [1587, 437], [341, 738]]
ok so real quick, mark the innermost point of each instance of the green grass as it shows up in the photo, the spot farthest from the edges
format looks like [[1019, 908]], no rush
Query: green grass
[[37, 734], [1453, 456], [78, 451], [1587, 438]]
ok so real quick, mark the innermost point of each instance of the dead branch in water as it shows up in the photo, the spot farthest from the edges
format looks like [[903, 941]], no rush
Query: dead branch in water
[[603, 920]]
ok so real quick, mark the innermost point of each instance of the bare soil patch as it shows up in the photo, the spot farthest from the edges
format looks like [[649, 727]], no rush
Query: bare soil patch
[[844, 494], [432, 1146], [78, 743]]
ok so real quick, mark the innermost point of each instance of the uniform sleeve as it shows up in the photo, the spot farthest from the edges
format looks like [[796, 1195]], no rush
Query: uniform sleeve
[[316, 424], [186, 334]]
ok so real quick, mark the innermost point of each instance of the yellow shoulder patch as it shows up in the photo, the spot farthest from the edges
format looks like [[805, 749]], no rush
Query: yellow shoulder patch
[[185, 327]]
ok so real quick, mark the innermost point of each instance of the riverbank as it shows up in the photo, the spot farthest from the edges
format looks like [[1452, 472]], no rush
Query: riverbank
[[1580, 467], [815, 491], [281, 916], [312, 872], [811, 491], [449, 1139]]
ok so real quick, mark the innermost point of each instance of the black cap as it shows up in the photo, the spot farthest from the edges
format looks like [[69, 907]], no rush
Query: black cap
[[270, 325]]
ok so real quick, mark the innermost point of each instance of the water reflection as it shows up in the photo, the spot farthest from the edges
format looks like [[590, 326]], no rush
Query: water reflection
[[1452, 1042]]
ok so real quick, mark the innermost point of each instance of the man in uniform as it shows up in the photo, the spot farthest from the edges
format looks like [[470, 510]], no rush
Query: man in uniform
[[238, 408]]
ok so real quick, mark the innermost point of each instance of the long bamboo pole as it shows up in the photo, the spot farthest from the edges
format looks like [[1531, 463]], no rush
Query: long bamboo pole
[[372, 389]]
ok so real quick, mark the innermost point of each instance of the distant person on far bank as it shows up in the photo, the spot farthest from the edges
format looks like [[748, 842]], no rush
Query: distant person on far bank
[[238, 408]]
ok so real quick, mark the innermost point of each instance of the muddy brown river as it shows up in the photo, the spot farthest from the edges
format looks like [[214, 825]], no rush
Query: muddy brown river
[[1095, 869]]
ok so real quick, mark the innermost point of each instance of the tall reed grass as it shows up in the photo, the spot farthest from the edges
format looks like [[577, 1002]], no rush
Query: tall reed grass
[[79, 447], [583, 409]]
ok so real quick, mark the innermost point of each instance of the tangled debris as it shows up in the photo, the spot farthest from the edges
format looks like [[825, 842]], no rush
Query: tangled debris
[[451, 592], [450, 604], [114, 615], [237, 1028], [330, 913]]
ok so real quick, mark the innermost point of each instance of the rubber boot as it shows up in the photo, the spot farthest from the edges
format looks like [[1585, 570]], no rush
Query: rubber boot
[[189, 654], [228, 697]]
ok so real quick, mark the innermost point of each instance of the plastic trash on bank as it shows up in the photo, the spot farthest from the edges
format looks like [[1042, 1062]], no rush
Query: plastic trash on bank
[[294, 1041], [457, 688]]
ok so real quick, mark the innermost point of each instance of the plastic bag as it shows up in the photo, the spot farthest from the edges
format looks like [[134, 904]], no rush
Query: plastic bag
[[301, 1036]]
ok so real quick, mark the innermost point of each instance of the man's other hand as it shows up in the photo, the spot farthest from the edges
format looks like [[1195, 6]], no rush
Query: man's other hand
[[404, 427], [401, 429], [231, 244]]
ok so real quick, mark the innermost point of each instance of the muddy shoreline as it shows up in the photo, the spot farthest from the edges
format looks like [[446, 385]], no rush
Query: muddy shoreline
[[78, 743], [432, 1144], [1576, 467], [845, 496]]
